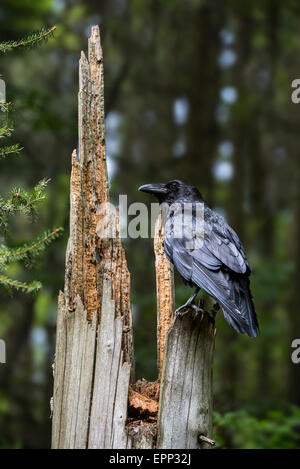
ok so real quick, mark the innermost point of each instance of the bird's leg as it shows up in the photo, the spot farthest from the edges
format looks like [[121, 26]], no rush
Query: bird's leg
[[198, 309], [189, 302]]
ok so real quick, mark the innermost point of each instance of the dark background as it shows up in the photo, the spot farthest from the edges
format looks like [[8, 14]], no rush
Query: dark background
[[198, 90]]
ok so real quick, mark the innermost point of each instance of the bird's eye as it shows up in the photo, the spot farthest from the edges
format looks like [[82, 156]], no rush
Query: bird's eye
[[173, 186]]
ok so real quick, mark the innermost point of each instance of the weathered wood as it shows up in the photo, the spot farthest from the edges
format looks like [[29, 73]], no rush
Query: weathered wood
[[94, 364], [143, 436], [185, 405], [111, 380], [73, 374], [94, 355], [164, 292], [185, 361]]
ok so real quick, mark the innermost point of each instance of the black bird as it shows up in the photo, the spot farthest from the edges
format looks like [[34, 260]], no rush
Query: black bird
[[207, 253]]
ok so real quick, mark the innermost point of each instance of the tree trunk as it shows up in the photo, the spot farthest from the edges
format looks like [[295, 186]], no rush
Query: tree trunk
[[185, 407], [96, 403], [93, 359]]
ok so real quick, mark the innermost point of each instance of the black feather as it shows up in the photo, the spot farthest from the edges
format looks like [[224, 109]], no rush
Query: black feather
[[212, 259]]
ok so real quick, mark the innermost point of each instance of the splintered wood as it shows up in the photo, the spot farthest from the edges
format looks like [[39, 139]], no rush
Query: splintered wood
[[89, 184], [164, 292], [94, 355], [143, 404], [96, 403], [186, 388]]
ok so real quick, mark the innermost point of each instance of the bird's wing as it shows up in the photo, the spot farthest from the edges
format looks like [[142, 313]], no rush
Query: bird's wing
[[224, 244], [213, 243], [203, 266]]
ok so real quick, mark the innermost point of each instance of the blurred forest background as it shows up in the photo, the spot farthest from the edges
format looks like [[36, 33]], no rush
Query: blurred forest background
[[198, 90]]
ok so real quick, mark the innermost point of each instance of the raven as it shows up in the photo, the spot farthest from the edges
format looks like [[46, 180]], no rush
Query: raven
[[206, 252]]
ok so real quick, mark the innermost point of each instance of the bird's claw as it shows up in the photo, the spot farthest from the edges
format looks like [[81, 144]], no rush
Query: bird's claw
[[182, 310], [198, 309], [210, 314]]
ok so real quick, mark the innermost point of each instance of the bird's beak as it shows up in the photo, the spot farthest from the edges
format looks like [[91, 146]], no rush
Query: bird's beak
[[154, 189]]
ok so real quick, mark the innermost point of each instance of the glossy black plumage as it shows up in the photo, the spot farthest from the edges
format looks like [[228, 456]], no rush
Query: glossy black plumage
[[210, 257]]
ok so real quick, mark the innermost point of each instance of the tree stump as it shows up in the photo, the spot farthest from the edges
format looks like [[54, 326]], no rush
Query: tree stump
[[96, 403]]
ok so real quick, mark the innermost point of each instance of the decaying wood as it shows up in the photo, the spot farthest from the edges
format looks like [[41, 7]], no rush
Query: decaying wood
[[111, 381], [164, 292], [185, 405], [142, 403], [73, 376], [142, 434], [185, 360], [96, 403], [143, 399], [94, 356]]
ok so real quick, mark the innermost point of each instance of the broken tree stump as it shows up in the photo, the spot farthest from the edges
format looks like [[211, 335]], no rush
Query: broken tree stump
[[186, 389], [96, 401], [164, 292], [185, 348], [94, 357]]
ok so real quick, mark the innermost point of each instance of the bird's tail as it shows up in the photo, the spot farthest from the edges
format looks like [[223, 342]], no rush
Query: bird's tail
[[240, 295], [232, 294]]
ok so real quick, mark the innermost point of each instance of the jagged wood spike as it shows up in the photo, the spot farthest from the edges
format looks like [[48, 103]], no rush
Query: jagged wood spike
[[94, 327], [164, 292], [94, 353]]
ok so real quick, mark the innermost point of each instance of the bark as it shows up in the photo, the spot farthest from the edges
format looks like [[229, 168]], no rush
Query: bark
[[94, 357], [185, 407], [96, 403], [164, 291], [185, 360]]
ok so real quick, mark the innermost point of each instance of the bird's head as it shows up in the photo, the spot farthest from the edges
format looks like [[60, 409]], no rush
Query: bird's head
[[172, 191]]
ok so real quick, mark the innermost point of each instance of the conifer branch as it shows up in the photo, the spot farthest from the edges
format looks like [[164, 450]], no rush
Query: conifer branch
[[9, 150], [23, 201], [10, 283], [30, 41], [5, 107], [20, 200], [26, 252], [5, 132]]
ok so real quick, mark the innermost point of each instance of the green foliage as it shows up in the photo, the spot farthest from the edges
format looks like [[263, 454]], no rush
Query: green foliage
[[28, 251], [10, 284], [150, 63], [20, 200], [30, 41], [8, 150], [275, 430]]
